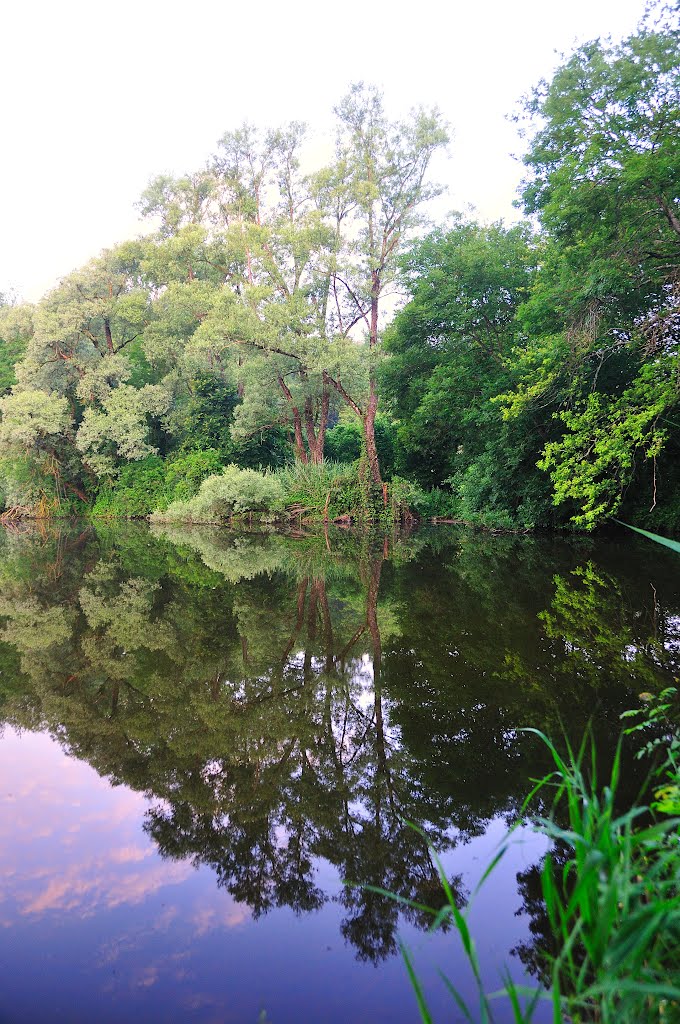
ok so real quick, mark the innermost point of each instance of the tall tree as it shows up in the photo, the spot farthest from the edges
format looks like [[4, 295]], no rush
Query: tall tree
[[603, 180], [380, 179], [79, 364], [451, 352]]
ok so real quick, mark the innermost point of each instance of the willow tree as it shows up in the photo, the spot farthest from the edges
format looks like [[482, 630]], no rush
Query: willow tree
[[273, 247], [16, 328], [299, 262], [76, 406], [379, 183]]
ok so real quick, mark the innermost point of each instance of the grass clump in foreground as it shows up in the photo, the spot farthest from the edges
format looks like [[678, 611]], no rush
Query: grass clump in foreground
[[611, 887]]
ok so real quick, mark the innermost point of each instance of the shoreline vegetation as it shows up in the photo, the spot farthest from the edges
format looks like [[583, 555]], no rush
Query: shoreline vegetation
[[246, 356], [609, 882]]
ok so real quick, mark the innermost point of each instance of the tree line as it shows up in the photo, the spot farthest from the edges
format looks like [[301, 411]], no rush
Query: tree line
[[531, 377]]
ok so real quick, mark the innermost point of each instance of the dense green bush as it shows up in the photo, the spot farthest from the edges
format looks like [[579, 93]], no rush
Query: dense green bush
[[151, 484], [408, 497], [233, 492], [139, 489], [187, 470]]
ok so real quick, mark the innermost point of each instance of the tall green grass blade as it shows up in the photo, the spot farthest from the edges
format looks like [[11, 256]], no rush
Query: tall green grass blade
[[533, 995], [425, 1014], [460, 1002], [494, 863], [674, 545], [395, 897]]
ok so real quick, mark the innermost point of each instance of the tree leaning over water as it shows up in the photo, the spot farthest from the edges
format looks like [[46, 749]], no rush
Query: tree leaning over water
[[604, 315]]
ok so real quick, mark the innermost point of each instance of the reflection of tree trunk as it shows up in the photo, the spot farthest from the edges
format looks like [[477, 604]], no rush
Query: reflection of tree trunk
[[372, 611], [383, 771], [350, 644], [374, 630], [327, 625], [301, 597], [312, 613]]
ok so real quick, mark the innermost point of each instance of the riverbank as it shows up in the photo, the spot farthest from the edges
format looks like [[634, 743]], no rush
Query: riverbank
[[193, 489]]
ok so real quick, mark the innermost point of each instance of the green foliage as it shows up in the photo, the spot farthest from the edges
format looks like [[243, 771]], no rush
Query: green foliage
[[451, 351], [186, 471], [658, 723], [332, 488], [151, 484], [603, 314], [16, 327], [139, 488], [209, 413], [120, 429], [435, 503], [595, 459], [31, 417], [344, 442], [234, 492], [26, 483]]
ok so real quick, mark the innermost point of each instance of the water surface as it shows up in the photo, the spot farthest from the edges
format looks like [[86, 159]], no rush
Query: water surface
[[205, 735]]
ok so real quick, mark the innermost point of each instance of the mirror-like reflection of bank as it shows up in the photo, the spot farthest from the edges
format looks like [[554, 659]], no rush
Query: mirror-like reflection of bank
[[288, 698]]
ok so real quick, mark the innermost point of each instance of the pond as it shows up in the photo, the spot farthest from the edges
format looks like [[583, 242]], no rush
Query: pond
[[206, 735]]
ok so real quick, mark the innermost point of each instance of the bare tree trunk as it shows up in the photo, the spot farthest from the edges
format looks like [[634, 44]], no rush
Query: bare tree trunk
[[372, 407], [301, 599], [323, 420], [109, 336], [369, 434], [316, 432], [300, 452], [310, 431]]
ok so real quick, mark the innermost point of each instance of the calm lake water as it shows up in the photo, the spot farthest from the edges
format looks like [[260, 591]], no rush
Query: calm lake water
[[204, 735]]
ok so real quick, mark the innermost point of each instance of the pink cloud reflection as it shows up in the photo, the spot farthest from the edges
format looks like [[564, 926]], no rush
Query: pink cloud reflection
[[97, 856], [72, 843]]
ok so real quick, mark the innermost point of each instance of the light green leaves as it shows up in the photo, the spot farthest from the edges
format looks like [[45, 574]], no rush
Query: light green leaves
[[120, 429], [28, 417]]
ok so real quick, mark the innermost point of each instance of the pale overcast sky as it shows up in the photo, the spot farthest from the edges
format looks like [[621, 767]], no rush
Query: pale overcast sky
[[100, 97]]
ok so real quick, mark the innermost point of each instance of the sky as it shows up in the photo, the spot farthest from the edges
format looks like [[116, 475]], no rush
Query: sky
[[99, 98]]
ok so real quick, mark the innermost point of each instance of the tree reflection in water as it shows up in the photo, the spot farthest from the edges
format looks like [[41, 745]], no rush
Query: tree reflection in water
[[285, 699]]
